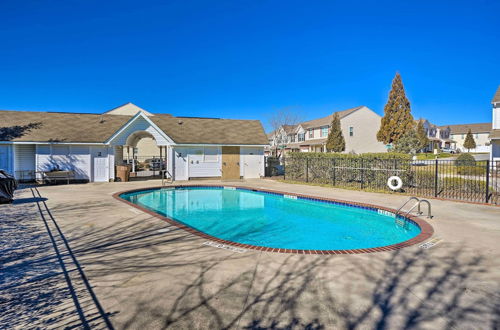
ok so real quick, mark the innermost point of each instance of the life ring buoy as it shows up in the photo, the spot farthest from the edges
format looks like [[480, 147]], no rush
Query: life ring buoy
[[390, 183]]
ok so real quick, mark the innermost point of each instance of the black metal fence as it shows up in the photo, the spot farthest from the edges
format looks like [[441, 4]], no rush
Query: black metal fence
[[477, 182], [146, 166]]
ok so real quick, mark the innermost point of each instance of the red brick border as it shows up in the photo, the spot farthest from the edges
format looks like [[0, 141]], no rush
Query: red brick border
[[426, 229]]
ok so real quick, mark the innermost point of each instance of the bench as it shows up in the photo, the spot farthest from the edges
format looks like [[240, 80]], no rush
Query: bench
[[54, 176]]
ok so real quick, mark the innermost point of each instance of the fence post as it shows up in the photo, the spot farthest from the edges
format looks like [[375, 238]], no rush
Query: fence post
[[284, 167], [487, 197], [436, 178], [362, 173], [307, 169], [333, 171]]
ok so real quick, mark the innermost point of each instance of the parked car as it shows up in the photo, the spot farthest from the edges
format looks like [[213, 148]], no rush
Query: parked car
[[277, 170], [449, 150]]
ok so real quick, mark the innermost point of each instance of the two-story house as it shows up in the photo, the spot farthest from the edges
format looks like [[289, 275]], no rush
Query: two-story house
[[480, 132], [439, 136], [279, 139], [495, 127], [359, 126]]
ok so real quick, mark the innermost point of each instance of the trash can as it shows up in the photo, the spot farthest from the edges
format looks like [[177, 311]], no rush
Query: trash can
[[7, 186], [123, 173]]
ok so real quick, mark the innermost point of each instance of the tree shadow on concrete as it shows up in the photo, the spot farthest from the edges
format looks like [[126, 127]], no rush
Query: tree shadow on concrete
[[446, 287], [39, 283], [149, 274]]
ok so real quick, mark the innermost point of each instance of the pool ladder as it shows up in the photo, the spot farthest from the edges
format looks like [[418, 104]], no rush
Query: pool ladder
[[417, 204], [165, 180]]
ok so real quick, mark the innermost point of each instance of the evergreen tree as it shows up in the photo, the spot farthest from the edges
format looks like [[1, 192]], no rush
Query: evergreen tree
[[408, 143], [335, 141], [469, 142], [422, 136], [397, 118]]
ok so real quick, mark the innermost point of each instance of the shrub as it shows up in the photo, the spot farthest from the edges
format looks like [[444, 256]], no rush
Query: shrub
[[460, 185], [367, 156], [471, 170], [465, 160], [371, 169]]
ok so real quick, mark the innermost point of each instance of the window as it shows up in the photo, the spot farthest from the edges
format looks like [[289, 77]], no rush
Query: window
[[302, 137], [351, 131], [210, 155], [311, 133], [292, 138], [324, 131]]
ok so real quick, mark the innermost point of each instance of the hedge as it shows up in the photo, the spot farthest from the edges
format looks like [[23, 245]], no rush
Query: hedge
[[368, 156]]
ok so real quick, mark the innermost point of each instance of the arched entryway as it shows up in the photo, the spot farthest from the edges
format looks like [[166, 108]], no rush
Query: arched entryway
[[143, 154]]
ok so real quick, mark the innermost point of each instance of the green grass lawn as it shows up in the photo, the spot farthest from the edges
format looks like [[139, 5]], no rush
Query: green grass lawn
[[433, 156]]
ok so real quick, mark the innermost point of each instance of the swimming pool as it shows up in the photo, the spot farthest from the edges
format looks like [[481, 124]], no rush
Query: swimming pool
[[281, 222]]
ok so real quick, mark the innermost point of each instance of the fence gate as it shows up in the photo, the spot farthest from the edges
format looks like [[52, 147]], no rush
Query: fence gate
[[146, 167]]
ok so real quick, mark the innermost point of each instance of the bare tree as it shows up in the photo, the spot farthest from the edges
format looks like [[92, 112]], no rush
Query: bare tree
[[280, 121]]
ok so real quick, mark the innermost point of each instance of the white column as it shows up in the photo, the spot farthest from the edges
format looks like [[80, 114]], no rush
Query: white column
[[133, 160]]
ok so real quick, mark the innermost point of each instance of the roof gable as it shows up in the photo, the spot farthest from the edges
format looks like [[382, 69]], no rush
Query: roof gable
[[128, 109], [139, 123], [496, 97], [326, 121]]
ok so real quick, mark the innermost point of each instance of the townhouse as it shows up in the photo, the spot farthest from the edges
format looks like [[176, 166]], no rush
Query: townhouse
[[359, 127]]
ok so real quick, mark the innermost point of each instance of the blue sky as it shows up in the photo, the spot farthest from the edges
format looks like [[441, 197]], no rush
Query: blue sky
[[246, 59]]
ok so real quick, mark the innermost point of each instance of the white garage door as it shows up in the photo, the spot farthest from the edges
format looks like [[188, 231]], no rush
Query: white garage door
[[252, 162]]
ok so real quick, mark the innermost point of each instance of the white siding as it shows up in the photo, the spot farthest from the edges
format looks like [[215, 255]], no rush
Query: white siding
[[66, 157], [25, 161], [140, 124], [6, 158], [496, 116], [200, 166], [80, 156]]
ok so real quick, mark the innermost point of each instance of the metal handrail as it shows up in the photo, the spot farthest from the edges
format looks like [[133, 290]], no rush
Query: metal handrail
[[170, 179], [411, 209], [429, 215], [419, 202], [411, 198]]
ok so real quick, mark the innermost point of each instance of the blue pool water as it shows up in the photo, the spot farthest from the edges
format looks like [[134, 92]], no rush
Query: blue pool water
[[274, 220]]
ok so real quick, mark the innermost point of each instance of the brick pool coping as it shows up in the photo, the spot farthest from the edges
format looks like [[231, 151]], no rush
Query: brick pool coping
[[426, 229]]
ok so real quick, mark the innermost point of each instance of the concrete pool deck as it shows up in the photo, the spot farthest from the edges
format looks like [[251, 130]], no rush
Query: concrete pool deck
[[76, 256]]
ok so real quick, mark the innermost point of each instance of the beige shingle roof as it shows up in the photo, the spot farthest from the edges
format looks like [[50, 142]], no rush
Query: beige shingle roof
[[464, 128], [495, 134], [212, 131], [496, 97], [325, 121], [58, 127], [97, 128]]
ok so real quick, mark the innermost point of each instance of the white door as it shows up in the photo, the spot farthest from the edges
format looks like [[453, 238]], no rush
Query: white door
[[5, 158], [195, 163], [180, 164], [101, 165], [252, 162]]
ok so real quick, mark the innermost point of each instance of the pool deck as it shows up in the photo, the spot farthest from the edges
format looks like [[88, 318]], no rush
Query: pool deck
[[76, 256]]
